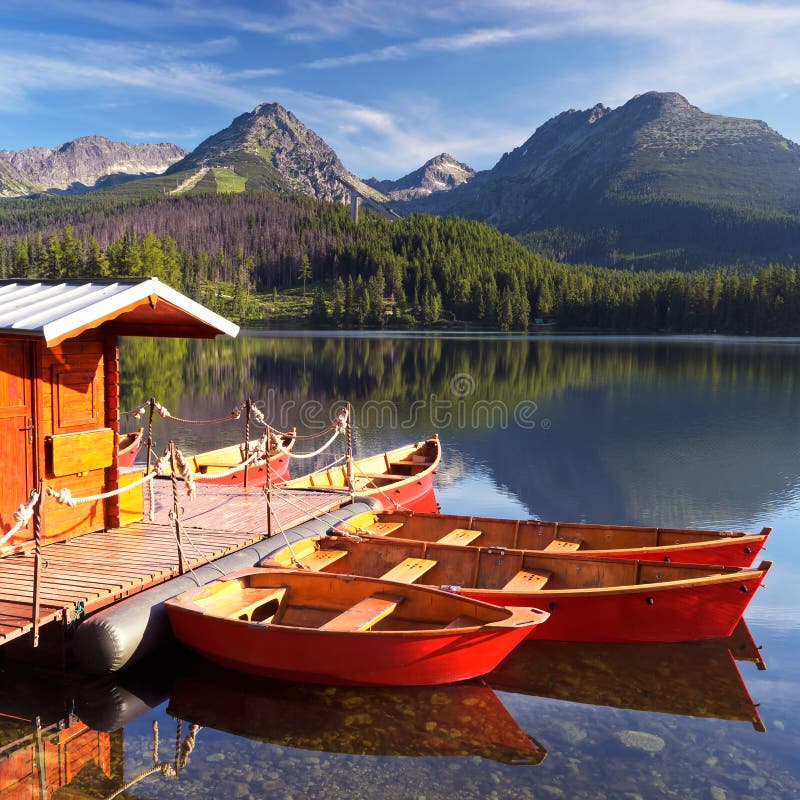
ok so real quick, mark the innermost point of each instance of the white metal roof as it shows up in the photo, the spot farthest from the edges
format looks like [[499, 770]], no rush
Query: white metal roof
[[55, 310]]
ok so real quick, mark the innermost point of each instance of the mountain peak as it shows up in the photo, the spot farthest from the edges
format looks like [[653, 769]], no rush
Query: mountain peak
[[272, 149], [437, 174]]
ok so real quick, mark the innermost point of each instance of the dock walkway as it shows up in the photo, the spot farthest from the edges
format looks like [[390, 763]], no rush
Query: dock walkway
[[89, 572]]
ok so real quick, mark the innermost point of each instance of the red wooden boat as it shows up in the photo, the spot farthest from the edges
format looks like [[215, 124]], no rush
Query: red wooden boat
[[225, 465], [315, 628], [128, 446], [399, 478], [687, 545], [590, 599]]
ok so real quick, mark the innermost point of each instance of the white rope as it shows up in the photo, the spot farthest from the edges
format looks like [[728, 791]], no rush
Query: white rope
[[22, 515], [291, 454], [64, 496]]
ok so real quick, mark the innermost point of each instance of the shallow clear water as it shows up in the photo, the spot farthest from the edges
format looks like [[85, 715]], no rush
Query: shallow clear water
[[651, 431]]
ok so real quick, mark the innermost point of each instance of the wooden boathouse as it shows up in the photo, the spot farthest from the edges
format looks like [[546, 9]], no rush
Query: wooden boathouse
[[59, 422]]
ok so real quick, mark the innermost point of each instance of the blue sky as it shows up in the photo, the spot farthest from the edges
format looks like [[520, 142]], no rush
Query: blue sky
[[387, 84]]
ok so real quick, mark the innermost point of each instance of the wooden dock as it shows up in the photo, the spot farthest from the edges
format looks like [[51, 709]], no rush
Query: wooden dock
[[89, 572]]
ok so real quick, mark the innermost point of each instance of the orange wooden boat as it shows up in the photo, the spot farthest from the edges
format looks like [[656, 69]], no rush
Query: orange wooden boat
[[687, 545], [590, 599], [399, 478], [225, 465], [128, 446], [316, 628]]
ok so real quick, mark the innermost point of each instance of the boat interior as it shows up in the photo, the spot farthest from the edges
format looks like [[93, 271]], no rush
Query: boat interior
[[445, 563], [300, 599], [551, 537], [375, 471], [223, 458]]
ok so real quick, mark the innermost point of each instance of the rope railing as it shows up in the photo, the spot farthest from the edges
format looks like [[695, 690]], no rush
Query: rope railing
[[256, 415]]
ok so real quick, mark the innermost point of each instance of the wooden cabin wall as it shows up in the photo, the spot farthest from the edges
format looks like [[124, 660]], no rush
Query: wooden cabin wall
[[72, 399]]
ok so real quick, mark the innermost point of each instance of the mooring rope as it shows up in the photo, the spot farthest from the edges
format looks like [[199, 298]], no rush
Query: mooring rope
[[22, 515]]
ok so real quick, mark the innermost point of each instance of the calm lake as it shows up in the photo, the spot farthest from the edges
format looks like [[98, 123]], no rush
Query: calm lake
[[673, 432]]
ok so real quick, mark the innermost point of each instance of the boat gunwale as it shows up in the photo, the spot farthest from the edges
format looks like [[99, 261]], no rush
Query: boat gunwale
[[719, 574], [515, 618]]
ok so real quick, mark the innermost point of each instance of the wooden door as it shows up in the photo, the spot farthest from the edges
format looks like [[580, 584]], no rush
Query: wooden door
[[16, 429]]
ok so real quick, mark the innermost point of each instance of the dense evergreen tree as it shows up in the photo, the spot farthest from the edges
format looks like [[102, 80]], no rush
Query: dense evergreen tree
[[425, 270]]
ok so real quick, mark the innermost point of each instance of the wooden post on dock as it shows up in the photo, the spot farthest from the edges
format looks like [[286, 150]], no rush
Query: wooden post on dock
[[248, 406], [175, 515], [151, 505], [350, 476], [38, 513], [269, 486]]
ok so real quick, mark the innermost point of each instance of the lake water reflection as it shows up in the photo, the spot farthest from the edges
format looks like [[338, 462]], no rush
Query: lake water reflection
[[672, 432]]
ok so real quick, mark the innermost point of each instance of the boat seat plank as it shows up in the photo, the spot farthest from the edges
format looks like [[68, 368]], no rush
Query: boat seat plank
[[459, 536], [383, 528], [378, 475], [244, 603], [528, 581], [410, 570], [320, 559], [419, 461], [563, 546], [364, 614]]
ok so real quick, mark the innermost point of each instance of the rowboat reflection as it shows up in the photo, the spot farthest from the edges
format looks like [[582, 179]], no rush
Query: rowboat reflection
[[466, 719], [694, 679]]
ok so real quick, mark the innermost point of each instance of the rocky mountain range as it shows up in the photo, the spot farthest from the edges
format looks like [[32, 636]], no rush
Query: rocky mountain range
[[439, 174], [656, 182], [656, 174], [86, 163]]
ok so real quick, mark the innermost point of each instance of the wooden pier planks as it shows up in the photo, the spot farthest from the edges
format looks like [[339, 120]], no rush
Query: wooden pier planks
[[100, 568]]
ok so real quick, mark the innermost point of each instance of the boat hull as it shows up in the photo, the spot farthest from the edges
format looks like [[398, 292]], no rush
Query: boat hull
[[127, 448], [256, 474], [351, 659], [653, 613]]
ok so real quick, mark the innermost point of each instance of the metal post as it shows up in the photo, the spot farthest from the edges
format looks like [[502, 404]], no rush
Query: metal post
[[176, 509], [38, 513], [248, 406], [269, 486]]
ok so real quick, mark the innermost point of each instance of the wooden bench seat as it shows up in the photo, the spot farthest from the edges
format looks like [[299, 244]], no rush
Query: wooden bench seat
[[410, 570], [363, 615], [563, 546], [382, 528], [242, 604], [528, 581], [381, 475], [459, 536], [320, 559], [418, 461]]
